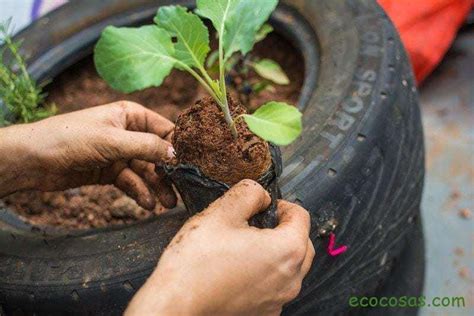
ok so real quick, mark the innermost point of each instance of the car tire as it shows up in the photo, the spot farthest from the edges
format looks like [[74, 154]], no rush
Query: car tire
[[360, 159]]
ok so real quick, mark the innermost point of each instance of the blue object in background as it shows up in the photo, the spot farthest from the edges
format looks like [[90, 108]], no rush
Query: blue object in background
[[25, 11]]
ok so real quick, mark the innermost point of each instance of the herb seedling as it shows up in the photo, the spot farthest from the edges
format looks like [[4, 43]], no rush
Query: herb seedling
[[131, 59], [18, 92]]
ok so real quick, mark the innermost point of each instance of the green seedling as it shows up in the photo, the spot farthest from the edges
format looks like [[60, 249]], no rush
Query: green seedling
[[239, 66], [269, 71], [131, 59], [19, 93]]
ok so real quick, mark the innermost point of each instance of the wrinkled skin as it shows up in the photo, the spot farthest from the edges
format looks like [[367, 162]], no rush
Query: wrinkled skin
[[117, 143], [219, 265]]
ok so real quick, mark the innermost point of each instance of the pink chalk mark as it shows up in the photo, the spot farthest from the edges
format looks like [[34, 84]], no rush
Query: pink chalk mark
[[332, 242]]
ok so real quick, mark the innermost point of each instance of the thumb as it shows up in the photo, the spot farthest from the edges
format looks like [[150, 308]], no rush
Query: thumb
[[293, 221], [142, 146], [241, 202]]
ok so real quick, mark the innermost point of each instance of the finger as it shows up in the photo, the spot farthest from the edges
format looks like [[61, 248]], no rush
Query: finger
[[109, 175], [145, 170], [143, 146], [308, 260], [169, 137], [166, 194], [140, 119], [241, 202], [293, 220], [157, 182], [130, 183]]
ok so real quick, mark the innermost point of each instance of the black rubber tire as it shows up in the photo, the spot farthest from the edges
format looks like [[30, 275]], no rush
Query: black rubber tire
[[361, 156], [406, 279]]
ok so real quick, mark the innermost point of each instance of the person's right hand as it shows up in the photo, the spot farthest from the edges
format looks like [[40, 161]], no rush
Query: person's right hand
[[117, 143], [219, 265]]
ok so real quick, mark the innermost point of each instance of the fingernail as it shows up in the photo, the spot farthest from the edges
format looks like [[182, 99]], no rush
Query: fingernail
[[171, 153]]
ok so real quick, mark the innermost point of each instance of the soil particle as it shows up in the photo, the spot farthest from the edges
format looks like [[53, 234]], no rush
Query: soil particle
[[465, 213], [455, 195], [464, 273], [203, 139], [86, 207], [459, 252], [123, 207]]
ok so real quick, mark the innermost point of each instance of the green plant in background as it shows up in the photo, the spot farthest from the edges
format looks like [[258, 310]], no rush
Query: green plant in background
[[131, 59], [239, 67], [19, 94]]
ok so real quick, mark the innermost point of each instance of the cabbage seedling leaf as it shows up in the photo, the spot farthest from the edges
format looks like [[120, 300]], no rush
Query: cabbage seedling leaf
[[277, 122], [263, 32], [271, 70], [192, 35], [131, 59], [237, 21]]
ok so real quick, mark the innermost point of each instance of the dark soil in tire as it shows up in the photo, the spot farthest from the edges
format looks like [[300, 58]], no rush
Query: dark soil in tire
[[101, 206]]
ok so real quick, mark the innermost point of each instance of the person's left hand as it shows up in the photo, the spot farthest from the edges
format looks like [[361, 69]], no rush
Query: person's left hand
[[118, 143]]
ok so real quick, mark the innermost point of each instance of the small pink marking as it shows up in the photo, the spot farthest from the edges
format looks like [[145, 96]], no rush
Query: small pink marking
[[332, 242]]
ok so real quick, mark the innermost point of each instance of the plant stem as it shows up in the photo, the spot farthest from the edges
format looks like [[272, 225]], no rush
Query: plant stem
[[223, 103], [201, 81], [225, 106], [222, 70], [219, 96], [208, 78], [234, 122], [229, 120]]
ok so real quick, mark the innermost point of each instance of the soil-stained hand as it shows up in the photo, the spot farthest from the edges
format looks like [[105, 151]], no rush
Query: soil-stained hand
[[219, 265], [118, 143]]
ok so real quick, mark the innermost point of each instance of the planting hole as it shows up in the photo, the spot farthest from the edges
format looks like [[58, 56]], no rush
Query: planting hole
[[75, 295], [332, 172], [103, 288], [128, 286], [361, 138]]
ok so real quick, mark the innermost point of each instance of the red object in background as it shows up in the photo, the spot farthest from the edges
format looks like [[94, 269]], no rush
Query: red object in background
[[427, 28]]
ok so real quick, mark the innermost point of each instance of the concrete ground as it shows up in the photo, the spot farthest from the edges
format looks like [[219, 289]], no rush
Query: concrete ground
[[447, 102]]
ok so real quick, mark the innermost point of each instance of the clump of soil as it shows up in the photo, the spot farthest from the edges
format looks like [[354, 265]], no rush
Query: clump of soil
[[81, 87], [203, 139], [85, 207]]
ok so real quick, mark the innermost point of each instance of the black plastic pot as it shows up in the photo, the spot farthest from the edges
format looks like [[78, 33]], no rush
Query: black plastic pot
[[199, 191], [360, 161]]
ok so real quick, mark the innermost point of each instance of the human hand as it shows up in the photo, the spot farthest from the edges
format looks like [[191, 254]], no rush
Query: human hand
[[118, 143], [219, 265]]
